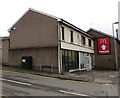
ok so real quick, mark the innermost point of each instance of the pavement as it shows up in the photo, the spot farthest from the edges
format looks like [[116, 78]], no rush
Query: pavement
[[94, 75]]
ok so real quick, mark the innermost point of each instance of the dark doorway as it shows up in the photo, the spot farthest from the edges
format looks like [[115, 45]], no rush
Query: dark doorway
[[27, 62], [70, 60]]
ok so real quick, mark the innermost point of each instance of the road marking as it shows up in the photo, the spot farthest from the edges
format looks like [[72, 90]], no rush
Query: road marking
[[29, 74], [44, 76], [15, 82], [73, 93]]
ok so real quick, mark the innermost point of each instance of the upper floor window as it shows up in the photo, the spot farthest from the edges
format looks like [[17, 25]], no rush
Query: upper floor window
[[62, 31], [71, 35], [89, 42], [83, 40]]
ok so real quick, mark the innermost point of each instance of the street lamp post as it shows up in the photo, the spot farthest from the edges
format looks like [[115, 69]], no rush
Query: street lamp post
[[116, 61], [113, 27]]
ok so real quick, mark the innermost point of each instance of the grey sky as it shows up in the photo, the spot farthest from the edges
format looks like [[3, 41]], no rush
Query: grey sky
[[98, 14]]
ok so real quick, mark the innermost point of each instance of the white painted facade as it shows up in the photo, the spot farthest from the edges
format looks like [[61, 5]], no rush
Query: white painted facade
[[69, 46], [76, 44], [85, 52]]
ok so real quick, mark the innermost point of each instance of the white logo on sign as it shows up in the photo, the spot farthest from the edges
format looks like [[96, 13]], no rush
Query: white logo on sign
[[103, 47]]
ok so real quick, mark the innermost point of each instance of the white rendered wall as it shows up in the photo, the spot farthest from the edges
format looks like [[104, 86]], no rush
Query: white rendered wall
[[76, 45]]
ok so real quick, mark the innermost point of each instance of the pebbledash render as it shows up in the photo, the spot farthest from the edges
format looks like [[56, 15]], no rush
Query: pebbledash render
[[50, 40]]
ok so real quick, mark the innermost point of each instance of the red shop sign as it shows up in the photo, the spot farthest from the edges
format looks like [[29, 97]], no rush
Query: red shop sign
[[103, 45]]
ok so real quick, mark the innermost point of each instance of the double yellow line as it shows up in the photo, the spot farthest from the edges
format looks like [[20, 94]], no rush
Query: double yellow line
[[29, 74]]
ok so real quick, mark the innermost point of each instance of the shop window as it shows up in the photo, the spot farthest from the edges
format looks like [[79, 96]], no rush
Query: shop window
[[70, 60]]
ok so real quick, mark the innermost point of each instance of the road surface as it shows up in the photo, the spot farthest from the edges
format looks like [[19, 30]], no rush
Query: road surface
[[23, 84]]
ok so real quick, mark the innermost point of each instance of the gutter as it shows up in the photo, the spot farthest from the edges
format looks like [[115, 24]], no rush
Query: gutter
[[76, 28]]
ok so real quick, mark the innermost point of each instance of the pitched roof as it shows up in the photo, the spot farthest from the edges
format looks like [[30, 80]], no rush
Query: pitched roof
[[92, 29], [58, 19], [76, 28], [31, 9], [44, 13]]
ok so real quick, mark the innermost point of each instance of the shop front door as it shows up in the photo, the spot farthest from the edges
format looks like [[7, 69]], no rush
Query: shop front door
[[88, 62], [85, 61]]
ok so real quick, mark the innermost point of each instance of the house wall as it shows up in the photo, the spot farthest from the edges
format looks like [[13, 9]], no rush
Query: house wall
[[36, 35], [39, 56], [104, 61], [75, 47], [70, 51], [5, 51], [107, 61], [118, 53], [76, 44], [34, 30]]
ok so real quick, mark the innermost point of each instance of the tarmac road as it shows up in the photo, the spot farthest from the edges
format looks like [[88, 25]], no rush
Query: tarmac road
[[23, 84]]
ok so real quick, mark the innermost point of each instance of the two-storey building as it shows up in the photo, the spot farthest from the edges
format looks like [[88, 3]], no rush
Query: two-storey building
[[50, 40], [76, 47]]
